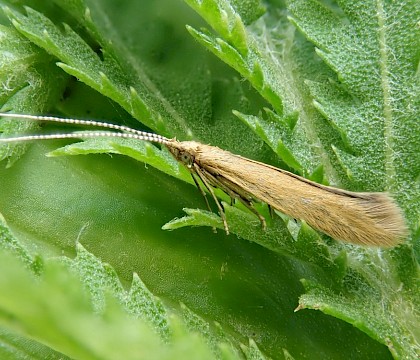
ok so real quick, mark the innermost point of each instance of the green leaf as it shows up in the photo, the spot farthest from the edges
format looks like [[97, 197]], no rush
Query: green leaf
[[329, 90], [56, 310], [30, 82]]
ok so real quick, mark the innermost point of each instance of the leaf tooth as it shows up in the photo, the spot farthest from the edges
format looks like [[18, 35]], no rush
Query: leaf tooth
[[318, 174], [254, 123], [257, 75], [272, 133], [88, 15], [345, 161], [288, 121], [108, 87], [141, 302], [223, 18], [273, 98], [252, 351], [239, 36], [333, 122], [263, 86], [330, 60], [202, 36], [232, 56], [287, 156], [139, 109]]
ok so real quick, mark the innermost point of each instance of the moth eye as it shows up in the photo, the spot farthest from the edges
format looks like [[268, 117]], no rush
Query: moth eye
[[186, 158]]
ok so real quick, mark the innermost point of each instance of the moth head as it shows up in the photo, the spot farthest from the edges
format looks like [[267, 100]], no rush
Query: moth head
[[184, 151]]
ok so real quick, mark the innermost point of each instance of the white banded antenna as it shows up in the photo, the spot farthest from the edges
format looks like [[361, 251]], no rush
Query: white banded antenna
[[127, 132]]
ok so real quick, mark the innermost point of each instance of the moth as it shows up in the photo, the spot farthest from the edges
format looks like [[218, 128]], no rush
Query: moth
[[363, 218]]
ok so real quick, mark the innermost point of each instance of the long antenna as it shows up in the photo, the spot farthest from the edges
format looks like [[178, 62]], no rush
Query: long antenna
[[128, 133]]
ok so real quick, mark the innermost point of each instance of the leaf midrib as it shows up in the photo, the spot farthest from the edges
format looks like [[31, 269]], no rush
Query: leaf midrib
[[386, 90]]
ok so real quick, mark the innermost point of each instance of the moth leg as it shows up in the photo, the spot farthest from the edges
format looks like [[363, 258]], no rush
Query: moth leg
[[250, 206], [271, 210], [202, 177], [228, 188], [204, 195], [201, 191]]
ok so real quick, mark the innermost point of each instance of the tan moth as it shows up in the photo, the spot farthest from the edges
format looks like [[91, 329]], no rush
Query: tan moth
[[363, 218]]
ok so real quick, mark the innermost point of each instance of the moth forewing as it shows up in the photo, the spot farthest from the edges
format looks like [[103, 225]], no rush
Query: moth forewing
[[360, 218]]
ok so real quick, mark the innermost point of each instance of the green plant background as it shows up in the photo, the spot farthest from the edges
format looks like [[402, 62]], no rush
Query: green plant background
[[329, 90]]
